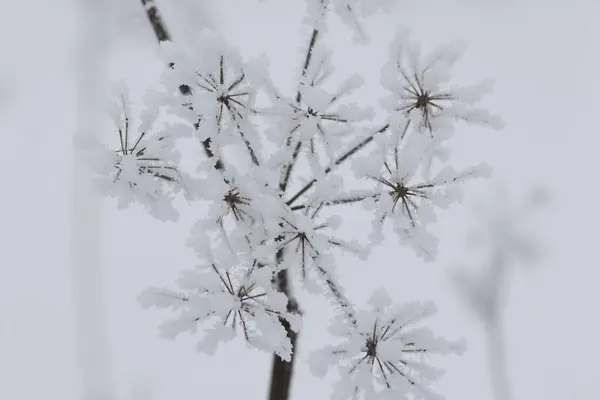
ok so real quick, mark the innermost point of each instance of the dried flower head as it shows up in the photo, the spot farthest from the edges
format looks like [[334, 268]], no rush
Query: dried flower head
[[420, 88], [383, 353], [236, 293]]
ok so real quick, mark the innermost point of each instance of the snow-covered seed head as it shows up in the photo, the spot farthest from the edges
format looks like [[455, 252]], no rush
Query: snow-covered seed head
[[403, 194], [400, 192], [236, 204], [136, 158], [371, 348], [383, 351], [305, 236], [228, 95], [382, 335], [422, 100], [427, 103], [422, 90]]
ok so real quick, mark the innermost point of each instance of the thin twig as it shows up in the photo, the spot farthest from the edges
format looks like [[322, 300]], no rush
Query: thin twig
[[286, 175], [337, 162]]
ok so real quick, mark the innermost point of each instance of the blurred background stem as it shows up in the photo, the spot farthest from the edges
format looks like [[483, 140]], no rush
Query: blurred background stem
[[93, 348], [497, 360]]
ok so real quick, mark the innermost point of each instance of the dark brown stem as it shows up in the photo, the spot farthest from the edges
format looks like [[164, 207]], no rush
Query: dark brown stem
[[309, 53], [288, 169], [285, 179], [282, 371], [156, 21], [162, 35]]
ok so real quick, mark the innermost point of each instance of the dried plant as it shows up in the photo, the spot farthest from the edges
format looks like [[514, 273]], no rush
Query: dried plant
[[271, 176]]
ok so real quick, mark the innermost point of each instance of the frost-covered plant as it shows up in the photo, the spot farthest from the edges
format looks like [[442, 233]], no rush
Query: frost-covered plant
[[234, 291], [383, 351], [272, 181]]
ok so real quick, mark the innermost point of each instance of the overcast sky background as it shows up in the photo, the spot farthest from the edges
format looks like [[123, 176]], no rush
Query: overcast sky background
[[545, 58]]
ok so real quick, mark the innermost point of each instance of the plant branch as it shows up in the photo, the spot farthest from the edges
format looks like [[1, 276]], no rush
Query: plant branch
[[341, 300], [162, 35], [287, 173], [339, 161], [288, 168], [281, 373], [309, 52]]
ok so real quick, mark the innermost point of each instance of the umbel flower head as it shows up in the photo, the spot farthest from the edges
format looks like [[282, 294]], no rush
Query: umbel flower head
[[232, 201], [383, 353], [142, 166], [221, 94], [235, 293], [309, 242], [402, 195], [420, 88], [316, 120]]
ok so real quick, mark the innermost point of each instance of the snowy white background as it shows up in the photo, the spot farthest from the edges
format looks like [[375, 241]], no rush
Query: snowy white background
[[545, 57]]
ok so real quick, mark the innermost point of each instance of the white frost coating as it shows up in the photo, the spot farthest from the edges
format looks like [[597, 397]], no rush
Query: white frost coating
[[270, 191], [223, 93], [321, 120], [315, 16], [380, 299], [309, 242], [351, 13], [381, 356], [235, 293], [420, 88], [136, 165], [404, 196]]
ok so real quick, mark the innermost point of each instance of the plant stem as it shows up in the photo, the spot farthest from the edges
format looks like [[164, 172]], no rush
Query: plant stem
[[497, 361], [287, 173], [496, 343], [281, 370]]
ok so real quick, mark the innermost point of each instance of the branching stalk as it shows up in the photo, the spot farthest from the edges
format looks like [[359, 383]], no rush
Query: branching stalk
[[281, 372]]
